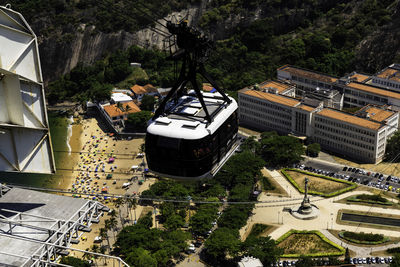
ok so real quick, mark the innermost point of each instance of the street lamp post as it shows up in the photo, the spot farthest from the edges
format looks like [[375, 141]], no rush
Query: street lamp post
[[278, 216]]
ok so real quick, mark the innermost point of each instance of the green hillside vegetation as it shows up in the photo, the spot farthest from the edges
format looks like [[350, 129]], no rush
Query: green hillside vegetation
[[105, 15], [324, 40], [94, 82], [323, 37]]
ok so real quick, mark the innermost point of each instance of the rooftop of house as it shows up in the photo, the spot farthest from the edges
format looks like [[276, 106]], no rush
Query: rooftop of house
[[306, 107], [349, 118], [359, 77], [148, 88], [207, 87], [283, 100], [120, 97], [390, 73], [114, 110], [313, 75], [279, 86], [375, 113], [373, 89]]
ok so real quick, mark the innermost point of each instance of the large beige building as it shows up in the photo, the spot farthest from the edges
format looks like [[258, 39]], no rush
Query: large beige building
[[271, 111], [361, 136]]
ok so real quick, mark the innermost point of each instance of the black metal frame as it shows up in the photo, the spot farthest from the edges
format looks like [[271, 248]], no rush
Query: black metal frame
[[193, 51]]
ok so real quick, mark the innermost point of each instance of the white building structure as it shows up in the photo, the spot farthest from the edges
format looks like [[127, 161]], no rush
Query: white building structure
[[120, 98], [388, 78], [362, 136], [249, 261], [359, 94], [313, 84], [25, 144], [363, 139]]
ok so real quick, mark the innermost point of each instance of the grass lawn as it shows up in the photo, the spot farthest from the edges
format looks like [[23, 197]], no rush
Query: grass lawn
[[277, 187], [306, 244], [137, 74], [317, 184]]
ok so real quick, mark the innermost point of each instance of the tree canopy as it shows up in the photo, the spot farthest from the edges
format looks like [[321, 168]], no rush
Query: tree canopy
[[138, 120], [313, 150], [281, 150], [393, 148]]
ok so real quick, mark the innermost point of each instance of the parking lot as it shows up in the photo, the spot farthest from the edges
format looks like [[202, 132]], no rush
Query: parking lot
[[371, 261], [365, 177]]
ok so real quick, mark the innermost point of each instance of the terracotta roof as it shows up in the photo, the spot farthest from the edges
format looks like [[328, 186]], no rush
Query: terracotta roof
[[308, 74], [390, 74], [273, 98], [150, 88], [352, 119], [376, 114], [137, 89], [306, 107], [207, 87], [373, 89], [359, 77], [113, 110], [275, 84]]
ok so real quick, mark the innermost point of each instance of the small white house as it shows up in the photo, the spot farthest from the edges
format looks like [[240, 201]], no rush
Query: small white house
[[120, 98]]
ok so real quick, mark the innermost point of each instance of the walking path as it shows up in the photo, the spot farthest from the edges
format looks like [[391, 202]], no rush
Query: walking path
[[273, 213]]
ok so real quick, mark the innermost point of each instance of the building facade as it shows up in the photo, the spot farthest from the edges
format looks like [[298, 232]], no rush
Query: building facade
[[314, 85], [388, 78], [360, 136]]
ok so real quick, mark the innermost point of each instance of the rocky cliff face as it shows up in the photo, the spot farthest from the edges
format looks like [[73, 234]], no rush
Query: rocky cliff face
[[381, 48], [86, 44]]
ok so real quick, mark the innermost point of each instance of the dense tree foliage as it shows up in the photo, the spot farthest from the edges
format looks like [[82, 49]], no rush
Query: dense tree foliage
[[223, 241], [393, 148], [147, 103], [313, 150], [138, 121], [256, 49], [396, 261], [144, 246], [107, 16], [263, 248], [76, 262], [281, 150]]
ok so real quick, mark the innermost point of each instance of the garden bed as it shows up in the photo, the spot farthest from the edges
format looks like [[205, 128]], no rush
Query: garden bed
[[370, 199], [308, 243], [318, 184], [363, 238]]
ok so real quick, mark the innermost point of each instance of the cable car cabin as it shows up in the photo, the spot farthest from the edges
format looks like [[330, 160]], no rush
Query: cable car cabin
[[182, 145]]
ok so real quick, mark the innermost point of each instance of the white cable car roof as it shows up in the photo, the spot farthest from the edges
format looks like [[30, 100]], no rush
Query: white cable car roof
[[24, 131], [177, 126]]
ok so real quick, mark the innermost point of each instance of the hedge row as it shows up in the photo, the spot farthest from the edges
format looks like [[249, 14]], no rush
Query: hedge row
[[320, 235], [384, 240], [301, 190], [393, 250], [353, 199]]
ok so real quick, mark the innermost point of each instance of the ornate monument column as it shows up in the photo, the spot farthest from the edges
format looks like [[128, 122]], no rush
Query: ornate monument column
[[306, 211]]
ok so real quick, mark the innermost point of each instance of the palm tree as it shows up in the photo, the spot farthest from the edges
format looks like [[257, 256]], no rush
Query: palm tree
[[119, 105], [104, 235], [132, 204], [118, 202], [111, 224], [127, 108]]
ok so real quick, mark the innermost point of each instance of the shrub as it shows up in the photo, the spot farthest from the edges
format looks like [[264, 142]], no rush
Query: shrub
[[323, 238], [393, 250], [363, 238]]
